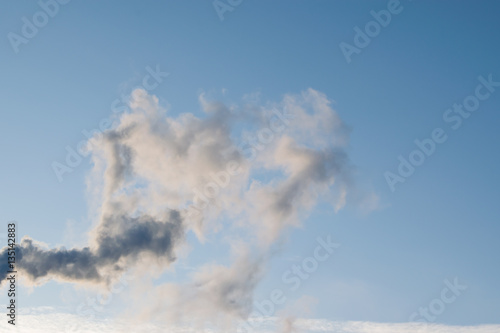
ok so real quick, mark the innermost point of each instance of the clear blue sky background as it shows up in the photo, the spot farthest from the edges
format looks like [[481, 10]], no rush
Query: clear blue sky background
[[443, 222]]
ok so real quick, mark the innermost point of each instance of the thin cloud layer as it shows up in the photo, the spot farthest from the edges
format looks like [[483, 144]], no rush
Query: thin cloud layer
[[51, 321]]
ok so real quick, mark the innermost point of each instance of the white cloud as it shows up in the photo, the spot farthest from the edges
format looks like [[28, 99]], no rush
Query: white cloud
[[48, 321]]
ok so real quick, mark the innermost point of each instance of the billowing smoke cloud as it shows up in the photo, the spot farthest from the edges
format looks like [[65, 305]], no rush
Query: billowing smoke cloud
[[155, 177]]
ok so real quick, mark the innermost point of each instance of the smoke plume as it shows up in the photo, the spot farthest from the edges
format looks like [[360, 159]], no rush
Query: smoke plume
[[156, 177]]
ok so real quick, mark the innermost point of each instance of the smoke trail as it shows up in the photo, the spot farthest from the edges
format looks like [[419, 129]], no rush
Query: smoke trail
[[151, 170], [117, 248]]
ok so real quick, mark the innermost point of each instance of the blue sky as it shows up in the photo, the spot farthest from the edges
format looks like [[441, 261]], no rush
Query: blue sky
[[439, 224]]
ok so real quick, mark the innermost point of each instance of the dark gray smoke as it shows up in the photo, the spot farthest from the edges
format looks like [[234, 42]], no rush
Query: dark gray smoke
[[121, 241]]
